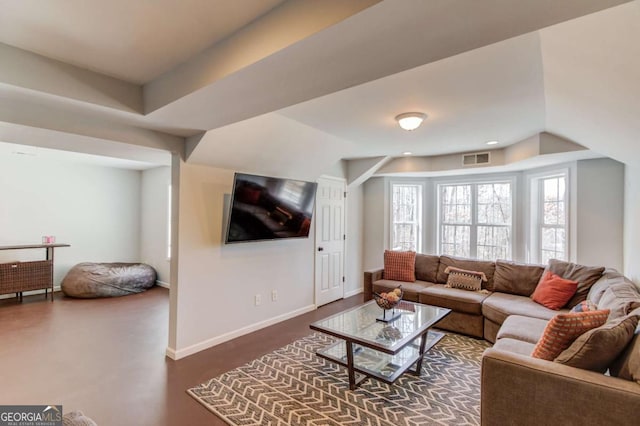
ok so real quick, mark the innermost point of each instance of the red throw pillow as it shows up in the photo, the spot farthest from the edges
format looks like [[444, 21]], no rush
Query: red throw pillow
[[400, 265], [553, 291], [563, 329]]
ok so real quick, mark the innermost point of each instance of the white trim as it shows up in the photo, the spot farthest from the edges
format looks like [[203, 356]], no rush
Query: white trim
[[353, 292], [162, 284], [473, 181], [205, 344]]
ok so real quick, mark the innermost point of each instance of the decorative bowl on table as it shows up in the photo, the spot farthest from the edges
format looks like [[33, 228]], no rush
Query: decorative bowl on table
[[389, 300]]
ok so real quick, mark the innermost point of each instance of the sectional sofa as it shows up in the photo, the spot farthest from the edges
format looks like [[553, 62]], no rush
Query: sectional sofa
[[517, 388]]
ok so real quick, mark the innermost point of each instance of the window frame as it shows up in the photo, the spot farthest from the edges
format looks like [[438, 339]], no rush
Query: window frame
[[474, 181], [535, 184], [419, 215]]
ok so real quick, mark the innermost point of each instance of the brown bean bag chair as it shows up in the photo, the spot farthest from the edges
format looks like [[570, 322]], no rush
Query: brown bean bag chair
[[91, 280]]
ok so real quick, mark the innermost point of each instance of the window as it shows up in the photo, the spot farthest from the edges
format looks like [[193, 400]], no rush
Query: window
[[475, 220], [406, 216], [551, 218]]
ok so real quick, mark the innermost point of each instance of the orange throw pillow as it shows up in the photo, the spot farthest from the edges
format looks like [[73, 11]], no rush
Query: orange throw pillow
[[553, 291], [400, 265], [563, 329]]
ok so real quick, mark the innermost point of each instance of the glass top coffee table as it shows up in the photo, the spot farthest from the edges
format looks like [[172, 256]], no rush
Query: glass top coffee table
[[377, 349]]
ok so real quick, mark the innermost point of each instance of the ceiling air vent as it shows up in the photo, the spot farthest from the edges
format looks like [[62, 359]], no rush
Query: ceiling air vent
[[476, 159]]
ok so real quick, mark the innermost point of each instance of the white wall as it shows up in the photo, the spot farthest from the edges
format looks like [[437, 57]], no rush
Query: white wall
[[93, 208], [216, 283], [600, 213], [354, 249], [154, 219], [632, 222]]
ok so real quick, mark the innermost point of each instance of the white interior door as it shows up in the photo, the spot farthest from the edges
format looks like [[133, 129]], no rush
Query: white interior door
[[330, 240]]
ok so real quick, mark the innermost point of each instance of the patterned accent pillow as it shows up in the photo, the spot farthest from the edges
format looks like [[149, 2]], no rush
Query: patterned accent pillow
[[400, 265], [585, 306], [463, 279], [563, 329]]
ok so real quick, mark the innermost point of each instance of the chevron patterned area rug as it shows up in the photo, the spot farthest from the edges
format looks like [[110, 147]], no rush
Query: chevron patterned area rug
[[293, 386]]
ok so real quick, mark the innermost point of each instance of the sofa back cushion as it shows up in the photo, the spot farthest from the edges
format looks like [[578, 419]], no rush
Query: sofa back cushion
[[400, 265], [620, 299], [596, 349], [427, 267], [586, 276], [469, 264], [627, 365], [609, 277], [516, 278]]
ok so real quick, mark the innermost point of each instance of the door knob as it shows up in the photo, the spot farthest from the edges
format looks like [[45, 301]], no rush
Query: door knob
[[320, 248]]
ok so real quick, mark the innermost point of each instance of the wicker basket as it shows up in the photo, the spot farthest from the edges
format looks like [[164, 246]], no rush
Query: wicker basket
[[386, 304], [17, 277]]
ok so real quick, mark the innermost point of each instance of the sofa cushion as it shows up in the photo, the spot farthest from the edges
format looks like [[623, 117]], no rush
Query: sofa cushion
[[516, 278], [627, 365], [563, 329], [514, 346], [620, 299], [458, 300], [609, 277], [427, 267], [400, 265], [410, 290], [586, 276], [522, 328], [469, 264], [499, 306], [598, 347], [464, 280], [554, 291]]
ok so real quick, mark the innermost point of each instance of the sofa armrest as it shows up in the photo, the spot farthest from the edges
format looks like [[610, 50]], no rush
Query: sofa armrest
[[369, 278], [520, 390]]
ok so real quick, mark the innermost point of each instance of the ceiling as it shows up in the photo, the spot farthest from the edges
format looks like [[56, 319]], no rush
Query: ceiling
[[293, 87], [135, 41]]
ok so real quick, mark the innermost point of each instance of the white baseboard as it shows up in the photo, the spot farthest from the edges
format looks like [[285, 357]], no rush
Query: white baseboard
[[27, 293], [206, 344], [162, 284], [353, 292]]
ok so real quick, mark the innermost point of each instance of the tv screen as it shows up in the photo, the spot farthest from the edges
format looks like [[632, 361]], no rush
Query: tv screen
[[268, 208]]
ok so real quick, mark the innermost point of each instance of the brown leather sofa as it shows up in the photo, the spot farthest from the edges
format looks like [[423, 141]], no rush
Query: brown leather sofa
[[517, 389]]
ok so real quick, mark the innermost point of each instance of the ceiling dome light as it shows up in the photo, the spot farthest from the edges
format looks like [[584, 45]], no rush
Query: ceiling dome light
[[492, 143], [407, 153], [410, 120]]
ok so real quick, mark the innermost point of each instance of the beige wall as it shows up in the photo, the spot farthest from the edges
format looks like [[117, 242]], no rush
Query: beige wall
[[216, 283], [600, 212], [154, 217], [632, 223]]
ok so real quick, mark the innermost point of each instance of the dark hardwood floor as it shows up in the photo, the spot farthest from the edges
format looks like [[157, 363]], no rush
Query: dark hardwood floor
[[106, 357]]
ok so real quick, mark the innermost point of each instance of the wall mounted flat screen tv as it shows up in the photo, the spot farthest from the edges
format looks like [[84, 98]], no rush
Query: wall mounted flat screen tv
[[269, 208]]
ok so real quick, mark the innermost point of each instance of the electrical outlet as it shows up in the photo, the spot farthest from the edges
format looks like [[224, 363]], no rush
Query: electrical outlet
[[258, 299], [274, 295]]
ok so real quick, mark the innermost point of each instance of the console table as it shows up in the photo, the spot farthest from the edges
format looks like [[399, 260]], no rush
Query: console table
[[16, 277]]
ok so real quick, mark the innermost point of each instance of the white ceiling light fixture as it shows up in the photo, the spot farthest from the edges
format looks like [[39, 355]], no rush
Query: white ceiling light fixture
[[407, 153], [410, 120], [492, 143]]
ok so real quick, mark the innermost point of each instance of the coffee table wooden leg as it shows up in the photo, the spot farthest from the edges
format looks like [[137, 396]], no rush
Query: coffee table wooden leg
[[350, 367]]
